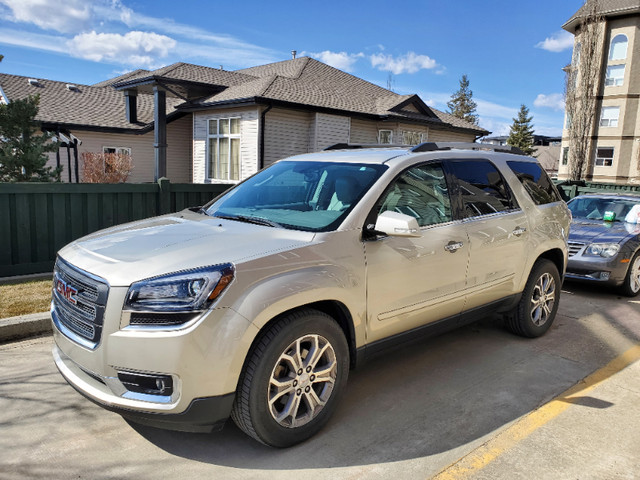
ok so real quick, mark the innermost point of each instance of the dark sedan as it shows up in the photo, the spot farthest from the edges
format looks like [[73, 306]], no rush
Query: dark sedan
[[603, 246]]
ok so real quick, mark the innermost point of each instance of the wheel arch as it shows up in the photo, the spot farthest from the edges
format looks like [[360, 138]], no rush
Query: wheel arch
[[557, 257]]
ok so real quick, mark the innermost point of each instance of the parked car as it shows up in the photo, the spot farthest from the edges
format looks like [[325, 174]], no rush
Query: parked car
[[603, 247], [258, 304]]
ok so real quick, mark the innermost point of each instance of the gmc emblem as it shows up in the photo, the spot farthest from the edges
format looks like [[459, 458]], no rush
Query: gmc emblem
[[67, 291]]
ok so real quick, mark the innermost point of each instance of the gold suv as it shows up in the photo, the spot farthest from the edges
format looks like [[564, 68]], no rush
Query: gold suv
[[257, 305]]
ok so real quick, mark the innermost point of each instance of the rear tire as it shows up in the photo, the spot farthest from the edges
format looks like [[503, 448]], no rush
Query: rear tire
[[293, 379], [631, 285], [537, 307]]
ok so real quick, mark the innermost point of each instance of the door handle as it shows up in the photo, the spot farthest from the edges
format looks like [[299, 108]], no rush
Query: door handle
[[453, 246], [519, 231]]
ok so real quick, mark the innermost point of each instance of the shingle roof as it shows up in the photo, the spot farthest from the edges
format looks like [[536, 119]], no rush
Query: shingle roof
[[88, 106], [302, 81], [607, 8]]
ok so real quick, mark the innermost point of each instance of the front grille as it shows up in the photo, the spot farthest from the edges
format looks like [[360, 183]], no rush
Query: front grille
[[574, 248], [79, 301]]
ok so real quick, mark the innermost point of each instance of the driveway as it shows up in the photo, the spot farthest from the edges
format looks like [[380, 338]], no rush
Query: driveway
[[474, 403]]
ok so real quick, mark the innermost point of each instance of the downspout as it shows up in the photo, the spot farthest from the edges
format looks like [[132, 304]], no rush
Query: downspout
[[262, 123]]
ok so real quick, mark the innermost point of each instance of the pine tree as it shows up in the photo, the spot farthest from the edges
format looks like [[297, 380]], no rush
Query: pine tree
[[521, 132], [462, 104], [22, 147]]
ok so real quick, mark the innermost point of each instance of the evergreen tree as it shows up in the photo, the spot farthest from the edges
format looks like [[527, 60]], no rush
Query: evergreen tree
[[521, 131], [462, 104], [23, 147]]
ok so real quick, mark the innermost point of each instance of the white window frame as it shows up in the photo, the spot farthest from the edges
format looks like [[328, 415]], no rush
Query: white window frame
[[390, 137], [618, 49], [565, 156], [117, 150], [614, 81], [602, 161], [209, 173], [609, 116]]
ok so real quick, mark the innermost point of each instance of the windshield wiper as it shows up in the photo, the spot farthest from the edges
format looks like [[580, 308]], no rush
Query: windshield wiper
[[248, 219]]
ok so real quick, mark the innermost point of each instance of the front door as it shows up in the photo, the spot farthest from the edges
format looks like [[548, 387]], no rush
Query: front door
[[415, 281]]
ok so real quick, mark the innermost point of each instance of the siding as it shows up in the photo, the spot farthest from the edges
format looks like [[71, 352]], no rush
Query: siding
[[287, 132], [329, 130], [447, 136], [249, 119], [142, 152], [363, 131]]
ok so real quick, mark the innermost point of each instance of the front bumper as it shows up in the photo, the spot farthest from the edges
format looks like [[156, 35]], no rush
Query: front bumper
[[607, 271]]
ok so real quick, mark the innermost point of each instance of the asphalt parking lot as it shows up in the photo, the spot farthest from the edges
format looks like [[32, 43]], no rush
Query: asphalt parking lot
[[475, 403]]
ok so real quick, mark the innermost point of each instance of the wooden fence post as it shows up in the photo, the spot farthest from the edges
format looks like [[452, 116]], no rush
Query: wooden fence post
[[164, 196]]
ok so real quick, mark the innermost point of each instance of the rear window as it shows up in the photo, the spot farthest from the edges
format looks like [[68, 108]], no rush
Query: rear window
[[535, 181]]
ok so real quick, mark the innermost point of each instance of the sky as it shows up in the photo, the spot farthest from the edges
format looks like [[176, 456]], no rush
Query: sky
[[512, 51]]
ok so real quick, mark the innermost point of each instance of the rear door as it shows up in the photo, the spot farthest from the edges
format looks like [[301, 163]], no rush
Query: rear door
[[415, 281], [497, 229]]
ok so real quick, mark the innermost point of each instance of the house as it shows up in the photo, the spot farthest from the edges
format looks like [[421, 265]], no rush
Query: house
[[205, 125], [616, 136]]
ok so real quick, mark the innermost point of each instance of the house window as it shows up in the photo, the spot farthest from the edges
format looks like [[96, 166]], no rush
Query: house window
[[615, 76], [609, 116], [604, 156], [224, 149], [411, 138], [565, 155], [385, 136], [618, 50], [120, 150]]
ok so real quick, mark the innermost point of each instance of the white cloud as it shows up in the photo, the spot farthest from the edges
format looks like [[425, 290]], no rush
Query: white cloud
[[407, 63], [139, 49], [554, 101], [342, 60], [557, 42], [38, 41], [111, 19], [66, 17], [494, 110]]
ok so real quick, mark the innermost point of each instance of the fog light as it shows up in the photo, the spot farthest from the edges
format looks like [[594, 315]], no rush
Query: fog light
[[146, 383], [605, 275]]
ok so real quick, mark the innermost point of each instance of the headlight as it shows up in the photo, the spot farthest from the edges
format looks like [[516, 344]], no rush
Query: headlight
[[188, 291], [606, 250]]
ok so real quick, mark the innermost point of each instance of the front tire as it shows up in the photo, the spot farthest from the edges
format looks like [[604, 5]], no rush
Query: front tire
[[538, 305], [631, 285], [292, 379]]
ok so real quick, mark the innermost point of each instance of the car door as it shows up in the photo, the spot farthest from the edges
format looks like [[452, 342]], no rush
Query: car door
[[497, 229], [412, 281]]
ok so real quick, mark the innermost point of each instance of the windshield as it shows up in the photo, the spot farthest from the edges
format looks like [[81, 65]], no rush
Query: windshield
[[595, 208], [302, 195]]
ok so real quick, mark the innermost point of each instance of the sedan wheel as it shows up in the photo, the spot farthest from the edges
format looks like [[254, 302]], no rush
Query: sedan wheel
[[631, 285]]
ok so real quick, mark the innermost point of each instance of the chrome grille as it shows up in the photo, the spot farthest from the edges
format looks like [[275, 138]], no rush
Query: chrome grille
[[79, 301], [574, 248]]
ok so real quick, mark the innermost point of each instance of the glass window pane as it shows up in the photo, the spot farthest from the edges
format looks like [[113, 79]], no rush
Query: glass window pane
[[609, 116], [615, 75], [224, 126], [235, 125], [482, 188], [223, 171], [213, 127], [618, 48], [536, 181], [422, 193], [235, 159], [385, 136], [213, 157]]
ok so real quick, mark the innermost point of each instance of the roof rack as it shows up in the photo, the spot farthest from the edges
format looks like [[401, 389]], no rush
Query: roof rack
[[435, 146], [355, 146]]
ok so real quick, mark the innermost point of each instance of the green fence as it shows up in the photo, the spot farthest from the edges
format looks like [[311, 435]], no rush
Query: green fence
[[568, 190], [37, 219]]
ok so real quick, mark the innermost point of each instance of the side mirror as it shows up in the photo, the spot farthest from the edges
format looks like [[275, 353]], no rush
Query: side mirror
[[397, 224]]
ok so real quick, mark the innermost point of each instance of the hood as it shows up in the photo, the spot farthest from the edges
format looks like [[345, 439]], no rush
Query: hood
[[591, 231], [170, 243]]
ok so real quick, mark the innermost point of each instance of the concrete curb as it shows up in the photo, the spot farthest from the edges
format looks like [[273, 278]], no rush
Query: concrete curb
[[23, 326]]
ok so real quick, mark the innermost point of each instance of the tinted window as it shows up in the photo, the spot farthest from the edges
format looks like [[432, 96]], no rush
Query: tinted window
[[481, 188], [420, 192], [535, 181]]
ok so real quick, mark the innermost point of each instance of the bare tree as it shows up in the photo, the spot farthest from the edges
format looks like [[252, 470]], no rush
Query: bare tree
[[581, 89], [106, 167]]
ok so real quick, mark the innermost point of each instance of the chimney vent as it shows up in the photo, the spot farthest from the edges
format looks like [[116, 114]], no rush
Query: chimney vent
[[72, 88], [293, 54], [35, 82]]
